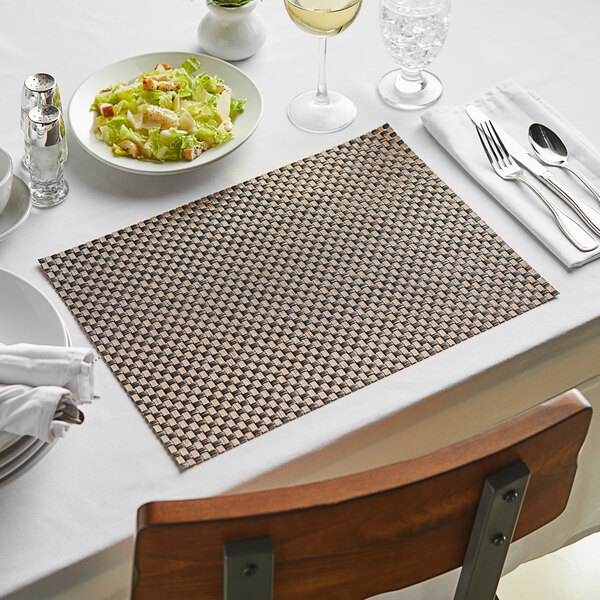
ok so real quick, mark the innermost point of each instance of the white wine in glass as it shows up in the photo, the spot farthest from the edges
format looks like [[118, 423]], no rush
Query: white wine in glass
[[324, 110], [322, 17]]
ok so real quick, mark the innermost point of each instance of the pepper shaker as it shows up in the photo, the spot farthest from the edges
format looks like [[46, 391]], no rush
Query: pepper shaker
[[46, 155], [38, 89]]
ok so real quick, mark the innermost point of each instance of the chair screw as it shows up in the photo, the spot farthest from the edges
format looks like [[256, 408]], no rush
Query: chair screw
[[498, 539], [510, 496], [249, 571]]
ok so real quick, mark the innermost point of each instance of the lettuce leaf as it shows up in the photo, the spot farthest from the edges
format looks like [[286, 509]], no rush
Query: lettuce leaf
[[191, 64], [237, 106], [168, 144]]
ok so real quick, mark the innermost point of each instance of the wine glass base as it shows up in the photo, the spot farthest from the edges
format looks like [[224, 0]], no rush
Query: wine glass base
[[315, 116], [424, 94]]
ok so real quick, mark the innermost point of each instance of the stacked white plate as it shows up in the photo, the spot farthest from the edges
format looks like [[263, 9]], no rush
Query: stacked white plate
[[26, 315]]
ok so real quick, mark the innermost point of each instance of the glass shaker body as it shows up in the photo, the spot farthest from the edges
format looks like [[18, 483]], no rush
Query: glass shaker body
[[46, 155]]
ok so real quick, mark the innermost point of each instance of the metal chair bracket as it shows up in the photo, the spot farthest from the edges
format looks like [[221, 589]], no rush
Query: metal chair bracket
[[248, 564], [493, 528], [248, 570]]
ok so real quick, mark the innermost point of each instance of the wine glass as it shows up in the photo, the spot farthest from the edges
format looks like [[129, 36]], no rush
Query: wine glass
[[324, 110], [414, 32]]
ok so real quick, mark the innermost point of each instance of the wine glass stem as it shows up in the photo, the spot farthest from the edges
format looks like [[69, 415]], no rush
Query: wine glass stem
[[409, 81], [412, 75], [322, 95]]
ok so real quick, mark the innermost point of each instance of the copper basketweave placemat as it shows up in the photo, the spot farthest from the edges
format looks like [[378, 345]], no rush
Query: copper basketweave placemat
[[239, 312]]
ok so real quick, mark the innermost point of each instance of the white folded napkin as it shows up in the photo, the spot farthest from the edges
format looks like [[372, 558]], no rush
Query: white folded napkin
[[515, 109], [36, 380]]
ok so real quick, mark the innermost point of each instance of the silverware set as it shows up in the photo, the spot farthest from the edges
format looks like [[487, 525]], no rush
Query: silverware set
[[509, 159]]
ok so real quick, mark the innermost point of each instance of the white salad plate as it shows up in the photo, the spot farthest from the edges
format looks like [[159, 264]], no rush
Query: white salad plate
[[22, 460], [18, 208], [19, 445], [26, 315], [81, 118], [41, 449]]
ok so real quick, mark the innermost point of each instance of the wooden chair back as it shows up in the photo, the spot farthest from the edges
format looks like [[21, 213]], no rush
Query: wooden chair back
[[363, 534]]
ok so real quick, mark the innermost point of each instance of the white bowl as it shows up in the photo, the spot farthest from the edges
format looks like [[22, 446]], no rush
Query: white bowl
[[6, 178]]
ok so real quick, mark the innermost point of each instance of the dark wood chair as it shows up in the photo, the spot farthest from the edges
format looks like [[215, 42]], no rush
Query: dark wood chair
[[363, 534]]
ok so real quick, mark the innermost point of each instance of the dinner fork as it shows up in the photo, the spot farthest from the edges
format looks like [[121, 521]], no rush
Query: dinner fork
[[505, 166]]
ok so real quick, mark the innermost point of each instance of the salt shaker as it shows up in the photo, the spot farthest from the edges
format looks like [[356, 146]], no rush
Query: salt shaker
[[38, 89], [46, 155]]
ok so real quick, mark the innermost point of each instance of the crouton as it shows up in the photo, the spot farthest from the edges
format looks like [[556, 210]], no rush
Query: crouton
[[194, 151], [221, 87], [156, 116], [106, 90], [166, 66], [226, 125], [169, 85], [106, 109], [130, 147]]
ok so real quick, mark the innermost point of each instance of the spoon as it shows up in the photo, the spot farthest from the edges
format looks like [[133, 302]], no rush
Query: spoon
[[551, 150]]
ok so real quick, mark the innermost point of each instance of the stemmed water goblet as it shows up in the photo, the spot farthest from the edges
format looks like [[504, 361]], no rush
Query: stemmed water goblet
[[324, 110], [414, 32]]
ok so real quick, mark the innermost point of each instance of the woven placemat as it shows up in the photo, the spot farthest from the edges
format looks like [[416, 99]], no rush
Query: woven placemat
[[239, 312]]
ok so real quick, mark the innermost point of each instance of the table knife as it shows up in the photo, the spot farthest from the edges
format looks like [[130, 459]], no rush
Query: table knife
[[589, 215]]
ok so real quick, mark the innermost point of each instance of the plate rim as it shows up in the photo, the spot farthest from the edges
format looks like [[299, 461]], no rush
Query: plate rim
[[19, 444], [65, 334], [31, 462], [177, 166], [33, 454], [21, 459], [25, 215], [38, 291]]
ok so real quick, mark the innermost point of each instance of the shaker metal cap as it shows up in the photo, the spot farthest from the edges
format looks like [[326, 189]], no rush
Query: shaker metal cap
[[45, 114], [46, 126], [40, 82]]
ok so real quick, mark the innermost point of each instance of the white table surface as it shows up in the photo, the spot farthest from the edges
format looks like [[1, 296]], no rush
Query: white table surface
[[80, 500]]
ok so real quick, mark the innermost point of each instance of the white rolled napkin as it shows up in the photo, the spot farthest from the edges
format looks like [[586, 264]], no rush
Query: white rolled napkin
[[515, 109], [35, 380], [62, 366], [26, 410]]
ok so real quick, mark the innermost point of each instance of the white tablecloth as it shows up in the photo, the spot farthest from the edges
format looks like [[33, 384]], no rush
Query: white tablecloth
[[78, 505]]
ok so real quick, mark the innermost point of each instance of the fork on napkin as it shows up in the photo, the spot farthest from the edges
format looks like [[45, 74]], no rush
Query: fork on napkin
[[41, 388], [515, 109]]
